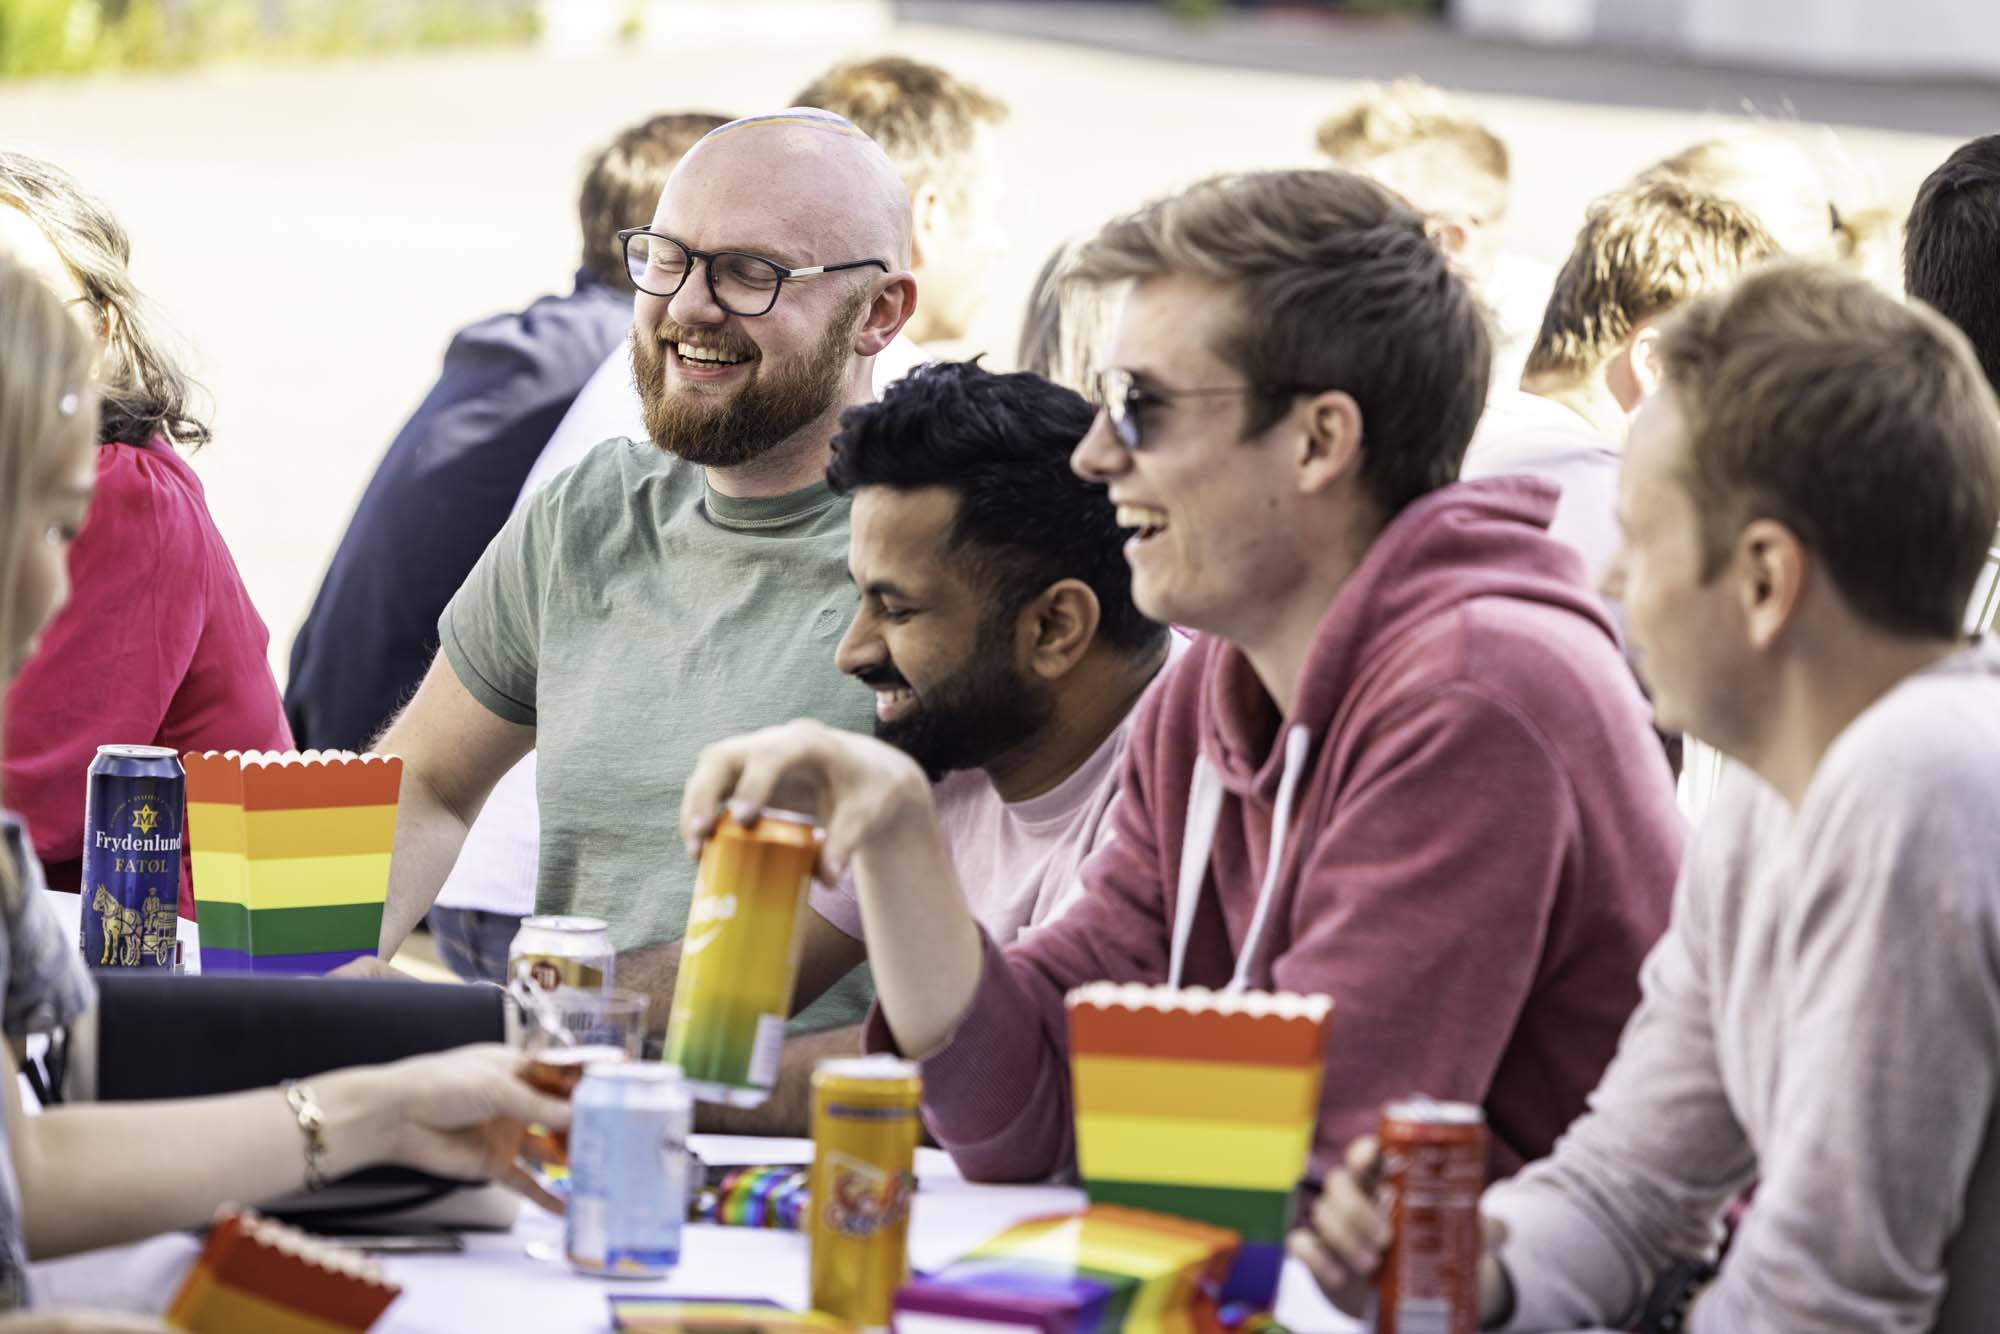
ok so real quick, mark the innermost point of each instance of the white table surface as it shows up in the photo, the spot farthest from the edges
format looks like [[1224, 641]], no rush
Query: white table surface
[[495, 1285]]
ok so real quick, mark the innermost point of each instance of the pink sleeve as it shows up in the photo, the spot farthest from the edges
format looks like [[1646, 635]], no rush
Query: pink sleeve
[[997, 1095], [110, 661]]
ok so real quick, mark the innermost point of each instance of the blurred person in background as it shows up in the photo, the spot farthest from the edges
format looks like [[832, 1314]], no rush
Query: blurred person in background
[[1951, 247], [79, 1177], [1644, 250], [452, 473], [938, 132], [1951, 262], [1806, 504], [1424, 145], [159, 644], [1067, 325], [1801, 194]]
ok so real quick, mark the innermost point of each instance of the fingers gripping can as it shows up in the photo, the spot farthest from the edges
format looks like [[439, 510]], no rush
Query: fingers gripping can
[[865, 1128], [562, 952], [628, 1136], [1434, 1166], [740, 957]]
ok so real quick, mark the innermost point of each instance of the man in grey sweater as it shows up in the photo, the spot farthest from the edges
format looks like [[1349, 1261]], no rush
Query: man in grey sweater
[[1805, 510]]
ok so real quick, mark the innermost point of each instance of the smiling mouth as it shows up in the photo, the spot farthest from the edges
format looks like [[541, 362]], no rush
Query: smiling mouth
[[895, 701], [1145, 521], [703, 357]]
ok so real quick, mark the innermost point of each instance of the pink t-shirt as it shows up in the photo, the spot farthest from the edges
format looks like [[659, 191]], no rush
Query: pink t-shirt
[[1017, 861], [159, 645]]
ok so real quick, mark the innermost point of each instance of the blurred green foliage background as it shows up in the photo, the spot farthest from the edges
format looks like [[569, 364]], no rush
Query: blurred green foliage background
[[74, 36]]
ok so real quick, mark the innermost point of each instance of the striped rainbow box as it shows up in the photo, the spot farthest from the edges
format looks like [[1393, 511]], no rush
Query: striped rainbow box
[[1102, 1270], [291, 856], [1200, 1104], [254, 1276]]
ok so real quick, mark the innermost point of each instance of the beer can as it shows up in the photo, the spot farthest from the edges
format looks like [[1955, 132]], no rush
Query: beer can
[[562, 952], [740, 957], [865, 1129], [1434, 1167], [628, 1170], [132, 823]]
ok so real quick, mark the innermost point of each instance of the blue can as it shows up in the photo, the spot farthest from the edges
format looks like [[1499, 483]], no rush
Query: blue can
[[628, 1169], [132, 825]]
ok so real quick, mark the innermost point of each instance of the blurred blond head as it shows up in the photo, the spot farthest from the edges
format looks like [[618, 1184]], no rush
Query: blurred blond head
[[1422, 144]]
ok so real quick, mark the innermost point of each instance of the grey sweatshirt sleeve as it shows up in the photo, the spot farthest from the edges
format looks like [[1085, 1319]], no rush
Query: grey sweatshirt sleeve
[[1863, 1021], [1640, 1179], [1892, 1022]]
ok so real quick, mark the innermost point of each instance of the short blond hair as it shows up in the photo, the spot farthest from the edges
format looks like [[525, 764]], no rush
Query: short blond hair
[[1337, 287], [1644, 249], [1864, 425], [1452, 164], [925, 118]]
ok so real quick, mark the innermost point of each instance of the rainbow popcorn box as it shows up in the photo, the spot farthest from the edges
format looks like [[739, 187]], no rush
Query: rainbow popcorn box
[[291, 856], [1105, 1269], [1202, 1105], [254, 1276]]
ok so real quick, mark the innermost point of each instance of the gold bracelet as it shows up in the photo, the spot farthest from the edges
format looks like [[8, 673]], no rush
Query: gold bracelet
[[312, 1125]]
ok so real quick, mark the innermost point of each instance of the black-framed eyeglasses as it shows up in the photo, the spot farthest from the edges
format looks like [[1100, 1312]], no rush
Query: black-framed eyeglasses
[[741, 284], [1122, 397]]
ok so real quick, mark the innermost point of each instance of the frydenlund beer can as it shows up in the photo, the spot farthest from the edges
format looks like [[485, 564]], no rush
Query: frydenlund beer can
[[740, 957], [628, 1170], [865, 1129], [1434, 1167], [133, 808], [562, 952]]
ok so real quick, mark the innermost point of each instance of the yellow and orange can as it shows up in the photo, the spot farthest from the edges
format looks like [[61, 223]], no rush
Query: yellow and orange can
[[740, 957], [865, 1130]]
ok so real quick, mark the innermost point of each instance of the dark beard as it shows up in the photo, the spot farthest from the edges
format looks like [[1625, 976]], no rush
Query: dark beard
[[970, 717], [761, 415]]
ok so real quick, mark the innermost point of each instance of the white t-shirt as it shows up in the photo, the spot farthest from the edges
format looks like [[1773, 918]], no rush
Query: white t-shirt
[[495, 871]]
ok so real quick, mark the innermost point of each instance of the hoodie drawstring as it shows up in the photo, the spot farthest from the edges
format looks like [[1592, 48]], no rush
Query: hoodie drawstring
[[1204, 815], [1297, 742]]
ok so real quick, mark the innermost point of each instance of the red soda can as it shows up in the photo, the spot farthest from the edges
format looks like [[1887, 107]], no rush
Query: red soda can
[[1433, 1169]]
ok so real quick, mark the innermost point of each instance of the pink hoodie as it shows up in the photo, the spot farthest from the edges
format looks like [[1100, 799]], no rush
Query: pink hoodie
[[1464, 833]]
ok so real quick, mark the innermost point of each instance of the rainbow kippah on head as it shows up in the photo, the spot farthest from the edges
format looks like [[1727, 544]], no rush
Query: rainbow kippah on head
[[291, 856], [809, 118], [1200, 1104], [258, 1277], [1105, 1269]]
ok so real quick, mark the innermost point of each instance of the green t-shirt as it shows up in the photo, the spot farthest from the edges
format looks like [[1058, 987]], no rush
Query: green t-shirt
[[632, 616]]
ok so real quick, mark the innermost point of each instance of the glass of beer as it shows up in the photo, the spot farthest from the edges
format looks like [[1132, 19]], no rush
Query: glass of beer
[[565, 1031]]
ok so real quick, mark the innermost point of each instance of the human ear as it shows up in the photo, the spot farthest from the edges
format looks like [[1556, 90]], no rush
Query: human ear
[[1060, 625], [1329, 446], [895, 301], [1770, 571]]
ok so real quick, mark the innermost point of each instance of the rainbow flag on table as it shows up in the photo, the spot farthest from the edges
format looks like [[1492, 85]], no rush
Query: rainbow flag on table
[[1202, 1105], [291, 856], [254, 1276], [1105, 1269]]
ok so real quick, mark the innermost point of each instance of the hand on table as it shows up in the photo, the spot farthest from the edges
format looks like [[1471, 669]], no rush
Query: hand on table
[[857, 787], [81, 1322], [1343, 1241], [372, 966], [465, 1113]]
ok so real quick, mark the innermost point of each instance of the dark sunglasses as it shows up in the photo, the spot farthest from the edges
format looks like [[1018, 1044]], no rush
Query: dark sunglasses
[[1122, 398]]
